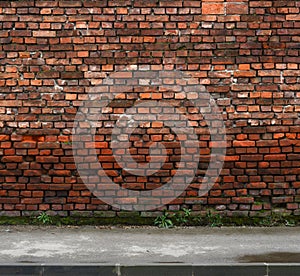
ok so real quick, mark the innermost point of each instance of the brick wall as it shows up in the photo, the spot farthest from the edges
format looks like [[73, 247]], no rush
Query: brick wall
[[244, 52]]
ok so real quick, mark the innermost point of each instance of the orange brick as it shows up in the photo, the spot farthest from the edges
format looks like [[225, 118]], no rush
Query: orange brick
[[244, 67], [213, 8]]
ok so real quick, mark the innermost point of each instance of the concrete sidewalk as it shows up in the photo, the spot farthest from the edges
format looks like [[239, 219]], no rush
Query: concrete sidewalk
[[149, 251]]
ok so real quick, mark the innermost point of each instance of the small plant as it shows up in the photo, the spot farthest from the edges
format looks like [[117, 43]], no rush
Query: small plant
[[164, 221], [69, 143], [214, 220], [268, 221], [290, 222], [182, 218], [197, 220], [44, 218]]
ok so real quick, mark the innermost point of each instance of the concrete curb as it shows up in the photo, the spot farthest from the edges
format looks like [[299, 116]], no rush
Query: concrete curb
[[258, 269]]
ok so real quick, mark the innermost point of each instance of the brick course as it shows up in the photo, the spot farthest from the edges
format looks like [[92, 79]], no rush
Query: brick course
[[246, 54]]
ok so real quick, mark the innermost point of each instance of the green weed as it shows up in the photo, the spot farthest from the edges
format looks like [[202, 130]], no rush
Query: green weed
[[164, 221], [44, 218]]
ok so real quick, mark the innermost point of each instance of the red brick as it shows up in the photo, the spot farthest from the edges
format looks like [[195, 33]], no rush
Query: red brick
[[25, 145], [257, 185], [245, 74], [243, 143], [169, 3], [72, 4], [71, 75], [32, 172], [241, 200], [217, 200], [4, 137], [12, 159], [283, 199], [273, 157], [251, 157], [47, 159], [237, 8], [48, 145], [11, 103], [267, 143], [48, 75]]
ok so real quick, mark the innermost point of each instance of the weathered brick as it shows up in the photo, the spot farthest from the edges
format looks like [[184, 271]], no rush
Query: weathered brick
[[71, 4], [12, 159], [48, 75], [237, 8], [47, 159], [25, 145], [44, 34], [71, 75]]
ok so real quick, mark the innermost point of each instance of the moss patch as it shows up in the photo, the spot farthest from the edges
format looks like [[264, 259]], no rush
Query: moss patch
[[273, 220]]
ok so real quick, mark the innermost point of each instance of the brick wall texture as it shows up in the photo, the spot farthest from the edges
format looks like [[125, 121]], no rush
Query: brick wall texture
[[245, 53]]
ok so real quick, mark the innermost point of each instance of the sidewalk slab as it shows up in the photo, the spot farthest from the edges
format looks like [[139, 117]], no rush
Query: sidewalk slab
[[150, 270], [92, 250]]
